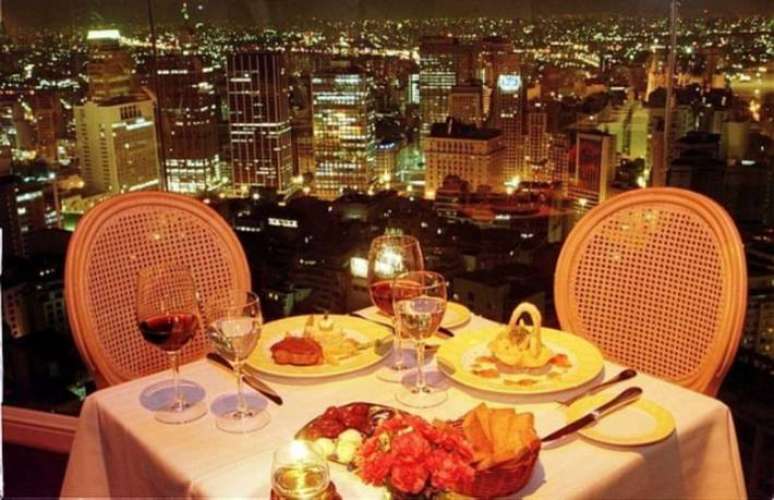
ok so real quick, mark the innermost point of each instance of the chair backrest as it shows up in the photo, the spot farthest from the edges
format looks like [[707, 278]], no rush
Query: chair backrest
[[656, 278], [111, 244]]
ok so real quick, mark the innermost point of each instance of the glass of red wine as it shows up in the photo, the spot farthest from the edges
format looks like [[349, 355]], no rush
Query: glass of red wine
[[389, 257], [168, 317], [419, 303]]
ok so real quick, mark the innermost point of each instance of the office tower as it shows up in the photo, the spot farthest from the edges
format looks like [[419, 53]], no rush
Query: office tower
[[117, 144], [259, 120], [110, 67], [46, 111], [497, 58], [507, 115], [466, 103], [443, 63], [593, 167], [558, 159], [536, 146], [25, 207], [475, 155], [344, 123], [187, 104]]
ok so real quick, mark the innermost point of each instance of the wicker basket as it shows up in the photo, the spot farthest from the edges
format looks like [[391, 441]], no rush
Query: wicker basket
[[504, 479]]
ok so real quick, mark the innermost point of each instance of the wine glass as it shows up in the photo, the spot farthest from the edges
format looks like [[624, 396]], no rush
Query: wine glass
[[419, 302], [298, 472], [234, 319], [168, 317], [389, 256]]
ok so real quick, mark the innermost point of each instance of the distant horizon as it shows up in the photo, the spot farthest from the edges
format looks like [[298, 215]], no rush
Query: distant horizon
[[26, 15]]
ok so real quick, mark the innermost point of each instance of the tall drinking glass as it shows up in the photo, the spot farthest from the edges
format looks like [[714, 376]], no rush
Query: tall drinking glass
[[390, 256], [235, 320], [168, 317], [420, 303]]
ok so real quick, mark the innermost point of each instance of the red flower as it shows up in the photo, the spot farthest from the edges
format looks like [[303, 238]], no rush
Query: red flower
[[449, 470], [410, 447], [409, 478], [375, 470]]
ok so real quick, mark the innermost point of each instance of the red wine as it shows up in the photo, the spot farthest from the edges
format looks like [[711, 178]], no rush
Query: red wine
[[382, 293], [171, 331]]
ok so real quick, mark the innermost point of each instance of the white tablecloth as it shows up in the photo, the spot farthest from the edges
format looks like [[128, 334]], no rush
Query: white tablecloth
[[121, 450]]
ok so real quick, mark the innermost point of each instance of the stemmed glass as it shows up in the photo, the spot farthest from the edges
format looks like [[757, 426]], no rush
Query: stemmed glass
[[420, 303], [168, 317], [234, 325], [389, 256], [298, 472]]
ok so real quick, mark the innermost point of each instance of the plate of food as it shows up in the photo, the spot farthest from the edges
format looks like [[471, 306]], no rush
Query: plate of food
[[487, 452], [517, 359], [319, 346]]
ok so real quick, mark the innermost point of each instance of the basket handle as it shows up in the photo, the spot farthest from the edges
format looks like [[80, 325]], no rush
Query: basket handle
[[535, 339]]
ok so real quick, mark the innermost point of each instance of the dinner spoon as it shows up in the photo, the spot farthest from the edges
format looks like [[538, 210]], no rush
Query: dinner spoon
[[623, 375]]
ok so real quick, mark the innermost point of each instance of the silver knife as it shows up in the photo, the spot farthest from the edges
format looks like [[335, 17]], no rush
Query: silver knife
[[624, 398], [247, 377]]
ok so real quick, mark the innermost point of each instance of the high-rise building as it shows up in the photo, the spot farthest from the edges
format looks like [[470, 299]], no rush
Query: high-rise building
[[475, 155], [466, 103], [593, 168], [497, 58], [344, 130], [558, 159], [443, 63], [536, 146], [507, 115], [303, 143], [387, 158], [187, 105], [117, 144], [259, 120], [25, 207], [110, 68]]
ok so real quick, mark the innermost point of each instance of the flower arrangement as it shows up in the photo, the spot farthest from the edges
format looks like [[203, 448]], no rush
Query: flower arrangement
[[413, 457]]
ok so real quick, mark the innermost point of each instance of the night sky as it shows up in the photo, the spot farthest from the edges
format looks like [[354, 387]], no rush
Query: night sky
[[29, 14]]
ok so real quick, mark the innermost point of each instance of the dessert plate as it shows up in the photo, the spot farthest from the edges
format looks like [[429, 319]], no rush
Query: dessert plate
[[640, 423], [375, 339], [458, 359]]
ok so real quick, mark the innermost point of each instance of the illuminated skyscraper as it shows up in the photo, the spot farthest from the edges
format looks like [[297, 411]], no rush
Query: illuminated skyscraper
[[443, 62], [188, 112], [344, 123], [536, 147], [259, 120], [117, 144], [110, 68], [507, 115]]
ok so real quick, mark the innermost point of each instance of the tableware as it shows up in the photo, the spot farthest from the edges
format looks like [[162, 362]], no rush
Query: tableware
[[626, 397], [297, 472], [234, 318], [641, 423], [376, 317], [374, 340], [168, 317], [247, 378], [419, 303], [389, 256], [625, 374], [457, 356]]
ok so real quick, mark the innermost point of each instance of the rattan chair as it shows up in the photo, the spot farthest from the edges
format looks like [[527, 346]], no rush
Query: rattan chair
[[111, 244], [656, 278]]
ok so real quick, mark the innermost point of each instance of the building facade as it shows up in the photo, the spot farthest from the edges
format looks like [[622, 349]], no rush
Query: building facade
[[259, 121], [189, 127], [472, 154], [117, 145], [344, 125]]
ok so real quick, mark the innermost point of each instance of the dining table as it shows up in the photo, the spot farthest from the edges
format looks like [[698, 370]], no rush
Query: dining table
[[120, 450]]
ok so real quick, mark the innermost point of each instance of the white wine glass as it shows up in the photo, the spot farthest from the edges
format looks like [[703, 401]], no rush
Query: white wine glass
[[234, 319], [298, 472], [419, 302]]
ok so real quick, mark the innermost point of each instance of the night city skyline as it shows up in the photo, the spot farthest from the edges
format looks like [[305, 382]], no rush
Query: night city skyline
[[485, 128]]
